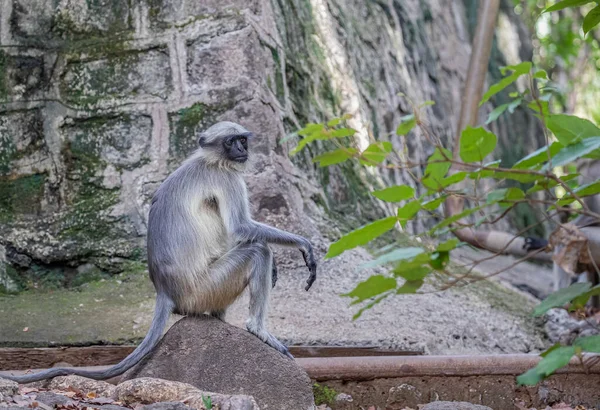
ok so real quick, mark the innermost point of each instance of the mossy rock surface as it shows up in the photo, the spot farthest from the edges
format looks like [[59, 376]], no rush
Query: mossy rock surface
[[113, 311]]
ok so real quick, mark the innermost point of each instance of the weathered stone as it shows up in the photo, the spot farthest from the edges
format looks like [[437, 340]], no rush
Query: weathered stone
[[129, 75], [38, 21], [53, 399], [21, 77], [166, 13], [452, 405], [22, 142], [64, 383], [193, 351], [121, 140], [8, 388], [405, 395], [150, 390], [228, 65]]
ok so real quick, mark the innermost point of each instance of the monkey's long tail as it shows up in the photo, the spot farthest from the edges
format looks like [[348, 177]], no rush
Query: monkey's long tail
[[162, 311]]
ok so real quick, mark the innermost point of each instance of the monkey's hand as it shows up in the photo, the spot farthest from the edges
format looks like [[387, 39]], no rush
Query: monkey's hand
[[309, 259]]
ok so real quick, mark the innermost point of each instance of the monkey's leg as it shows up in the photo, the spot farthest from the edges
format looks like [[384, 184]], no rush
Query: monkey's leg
[[260, 286]]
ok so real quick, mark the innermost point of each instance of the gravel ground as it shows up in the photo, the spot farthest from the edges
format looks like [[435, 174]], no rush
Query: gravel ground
[[484, 318]]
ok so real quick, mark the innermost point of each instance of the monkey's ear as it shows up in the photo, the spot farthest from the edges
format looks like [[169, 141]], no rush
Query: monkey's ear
[[201, 140]]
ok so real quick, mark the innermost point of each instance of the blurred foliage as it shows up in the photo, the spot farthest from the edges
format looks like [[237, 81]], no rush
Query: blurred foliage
[[571, 58]]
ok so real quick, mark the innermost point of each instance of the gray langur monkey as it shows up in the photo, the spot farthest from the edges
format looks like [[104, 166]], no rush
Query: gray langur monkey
[[203, 247]]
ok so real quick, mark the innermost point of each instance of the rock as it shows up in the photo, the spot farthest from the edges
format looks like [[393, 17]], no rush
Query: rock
[[215, 356], [7, 388], [166, 405], [111, 407], [86, 385], [343, 398], [452, 405], [52, 399], [562, 327], [148, 390], [406, 395]]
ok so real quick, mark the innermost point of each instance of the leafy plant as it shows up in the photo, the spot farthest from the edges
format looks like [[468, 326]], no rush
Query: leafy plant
[[207, 401], [448, 177]]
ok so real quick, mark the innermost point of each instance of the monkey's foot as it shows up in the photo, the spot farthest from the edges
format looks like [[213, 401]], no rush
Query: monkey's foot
[[268, 338]]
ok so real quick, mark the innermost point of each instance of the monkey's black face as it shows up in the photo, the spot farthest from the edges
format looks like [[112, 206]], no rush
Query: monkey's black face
[[236, 147]]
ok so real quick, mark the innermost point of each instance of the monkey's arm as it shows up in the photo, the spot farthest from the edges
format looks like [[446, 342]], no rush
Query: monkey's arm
[[253, 231]]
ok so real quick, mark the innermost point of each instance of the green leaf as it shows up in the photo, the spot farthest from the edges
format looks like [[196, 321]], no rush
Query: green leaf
[[496, 195], [589, 344], [376, 153], [407, 125], [541, 74], [394, 256], [395, 194], [544, 184], [535, 106], [518, 70], [512, 195], [515, 176], [550, 349], [514, 104], [417, 272], [554, 360], [373, 286], [591, 19], [437, 165], [592, 188], [433, 204], [410, 286], [361, 236], [448, 245], [561, 297], [538, 156], [497, 112], [574, 151], [476, 144], [342, 132], [566, 3], [570, 129], [312, 132], [335, 157], [370, 305], [439, 260], [580, 301], [427, 103], [408, 211], [530, 378], [452, 179]]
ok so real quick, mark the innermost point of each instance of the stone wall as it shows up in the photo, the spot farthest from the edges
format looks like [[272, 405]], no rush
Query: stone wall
[[100, 99]]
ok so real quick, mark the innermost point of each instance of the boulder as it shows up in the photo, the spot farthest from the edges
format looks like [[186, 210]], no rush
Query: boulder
[[217, 357], [7, 388]]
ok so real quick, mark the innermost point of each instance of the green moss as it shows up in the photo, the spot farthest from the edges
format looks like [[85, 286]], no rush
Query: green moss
[[21, 196], [323, 394], [95, 313]]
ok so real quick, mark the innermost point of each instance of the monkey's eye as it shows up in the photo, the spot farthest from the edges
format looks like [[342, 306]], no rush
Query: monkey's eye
[[243, 140], [228, 143]]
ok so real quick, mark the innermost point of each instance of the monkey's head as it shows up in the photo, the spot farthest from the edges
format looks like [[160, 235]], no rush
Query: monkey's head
[[225, 144]]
